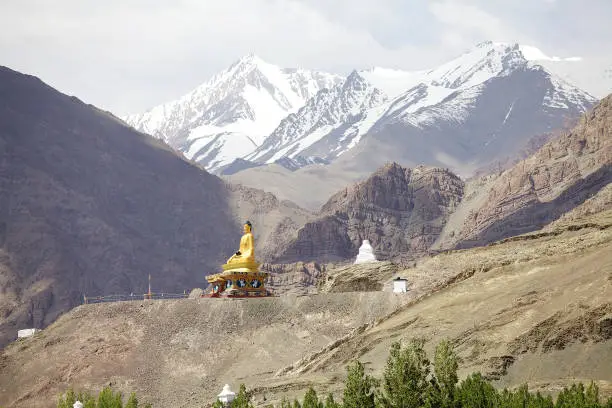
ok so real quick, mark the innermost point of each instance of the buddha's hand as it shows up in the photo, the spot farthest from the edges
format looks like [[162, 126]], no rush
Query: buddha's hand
[[238, 253]]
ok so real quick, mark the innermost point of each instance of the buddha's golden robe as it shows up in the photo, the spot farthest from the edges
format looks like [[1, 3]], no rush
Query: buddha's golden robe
[[247, 250]]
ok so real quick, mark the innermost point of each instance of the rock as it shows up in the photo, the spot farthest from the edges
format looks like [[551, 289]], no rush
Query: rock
[[298, 278], [366, 253]]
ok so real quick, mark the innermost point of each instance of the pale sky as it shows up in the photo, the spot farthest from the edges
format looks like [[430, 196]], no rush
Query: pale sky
[[130, 55]]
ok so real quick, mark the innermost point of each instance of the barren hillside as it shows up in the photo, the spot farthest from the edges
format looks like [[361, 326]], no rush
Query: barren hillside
[[178, 352], [534, 309]]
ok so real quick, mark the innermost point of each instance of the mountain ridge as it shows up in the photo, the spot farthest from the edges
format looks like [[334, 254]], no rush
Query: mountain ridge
[[331, 120]]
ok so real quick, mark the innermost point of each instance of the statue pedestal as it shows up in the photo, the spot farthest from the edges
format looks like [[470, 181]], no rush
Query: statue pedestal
[[239, 280]]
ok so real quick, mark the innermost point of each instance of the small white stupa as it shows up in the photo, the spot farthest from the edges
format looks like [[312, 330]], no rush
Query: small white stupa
[[226, 396], [366, 253]]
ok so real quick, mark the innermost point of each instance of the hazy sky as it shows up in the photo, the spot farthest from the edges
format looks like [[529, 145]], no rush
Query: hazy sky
[[129, 55]]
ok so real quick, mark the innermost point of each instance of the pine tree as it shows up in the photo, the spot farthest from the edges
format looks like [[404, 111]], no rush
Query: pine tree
[[132, 402], [446, 365], [243, 399], [310, 399], [592, 396], [330, 403], [67, 400], [475, 392], [359, 388], [108, 399], [405, 383]]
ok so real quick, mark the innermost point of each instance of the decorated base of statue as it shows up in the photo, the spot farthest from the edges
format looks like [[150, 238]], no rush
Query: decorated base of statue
[[238, 280]]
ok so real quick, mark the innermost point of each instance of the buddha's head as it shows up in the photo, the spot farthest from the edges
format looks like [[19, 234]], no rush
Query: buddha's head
[[248, 227]]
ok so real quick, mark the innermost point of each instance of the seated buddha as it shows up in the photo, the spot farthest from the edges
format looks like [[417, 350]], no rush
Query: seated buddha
[[245, 256]]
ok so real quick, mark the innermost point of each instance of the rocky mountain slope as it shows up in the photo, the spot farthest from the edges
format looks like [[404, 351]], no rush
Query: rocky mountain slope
[[561, 175], [401, 211], [231, 114], [88, 206], [495, 303]]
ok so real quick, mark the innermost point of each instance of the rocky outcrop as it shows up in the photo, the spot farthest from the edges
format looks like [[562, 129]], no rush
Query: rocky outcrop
[[560, 176], [400, 210], [368, 277], [299, 278]]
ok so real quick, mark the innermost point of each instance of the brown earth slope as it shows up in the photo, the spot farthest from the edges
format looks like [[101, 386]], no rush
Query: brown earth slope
[[178, 352], [534, 309], [88, 206]]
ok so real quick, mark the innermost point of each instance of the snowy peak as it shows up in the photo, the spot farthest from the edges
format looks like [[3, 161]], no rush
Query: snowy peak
[[231, 114], [260, 112], [322, 115], [482, 62], [478, 64]]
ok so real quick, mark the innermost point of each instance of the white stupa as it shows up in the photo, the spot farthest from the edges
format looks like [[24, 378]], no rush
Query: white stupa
[[366, 253]]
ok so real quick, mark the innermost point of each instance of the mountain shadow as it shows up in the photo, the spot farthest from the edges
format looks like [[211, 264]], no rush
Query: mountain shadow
[[89, 206]]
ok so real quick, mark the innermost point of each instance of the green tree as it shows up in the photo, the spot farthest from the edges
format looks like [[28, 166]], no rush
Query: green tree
[[359, 387], [243, 399], [217, 404], [108, 399], [591, 396], [475, 392], [330, 403], [446, 364], [67, 400], [132, 401], [296, 404], [405, 382], [310, 399]]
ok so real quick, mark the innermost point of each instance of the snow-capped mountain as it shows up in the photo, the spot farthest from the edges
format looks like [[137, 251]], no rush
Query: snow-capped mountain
[[234, 112], [481, 105], [474, 108], [329, 110]]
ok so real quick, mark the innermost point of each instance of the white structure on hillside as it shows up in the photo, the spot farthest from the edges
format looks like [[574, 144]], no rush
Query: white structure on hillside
[[366, 253], [26, 333], [226, 396], [399, 285], [77, 404]]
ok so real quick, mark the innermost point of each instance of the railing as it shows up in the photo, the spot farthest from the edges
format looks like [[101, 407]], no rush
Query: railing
[[126, 298]]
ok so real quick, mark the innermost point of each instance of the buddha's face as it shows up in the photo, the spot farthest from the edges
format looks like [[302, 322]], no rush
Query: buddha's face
[[247, 228]]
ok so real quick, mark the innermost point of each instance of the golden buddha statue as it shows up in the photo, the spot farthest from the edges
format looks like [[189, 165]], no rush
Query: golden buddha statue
[[241, 276], [245, 256]]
